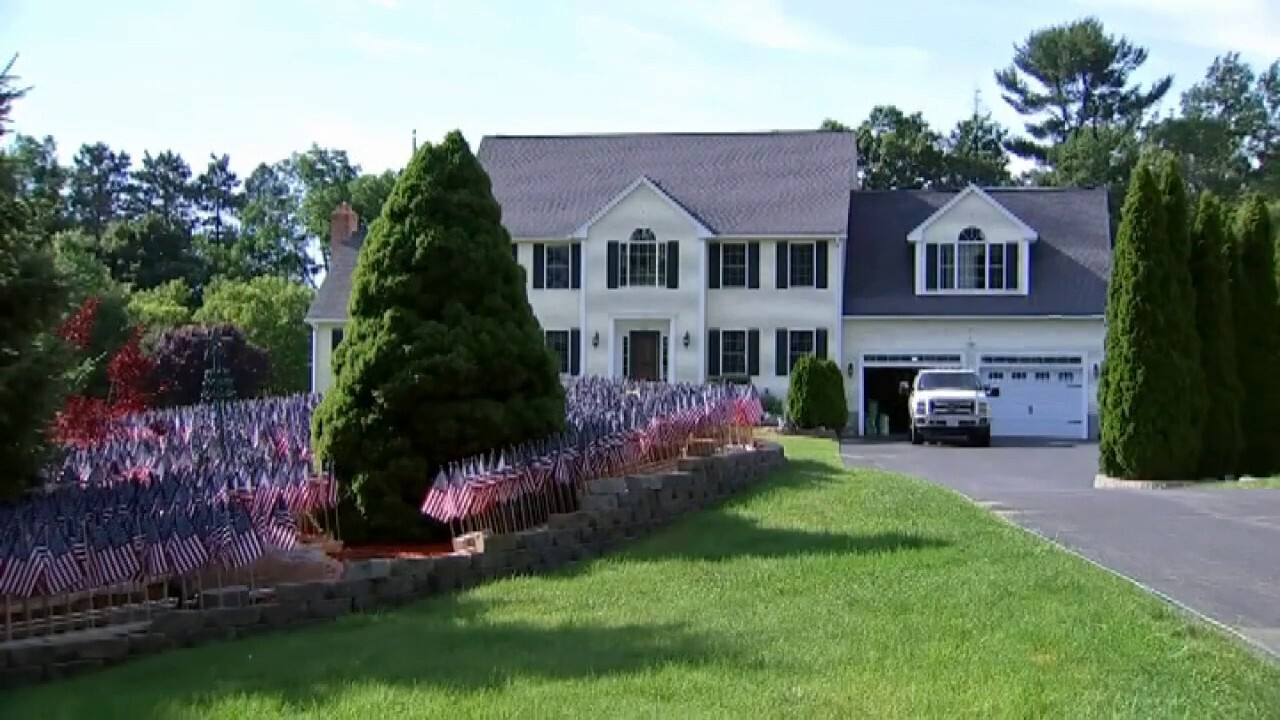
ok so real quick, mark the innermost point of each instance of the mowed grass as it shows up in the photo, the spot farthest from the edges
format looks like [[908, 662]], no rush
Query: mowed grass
[[822, 594], [1266, 483]]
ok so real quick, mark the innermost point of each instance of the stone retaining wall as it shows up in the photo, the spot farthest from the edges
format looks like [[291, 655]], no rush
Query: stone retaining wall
[[614, 511]]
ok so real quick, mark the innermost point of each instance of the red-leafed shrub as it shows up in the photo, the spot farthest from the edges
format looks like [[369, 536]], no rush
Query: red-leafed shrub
[[182, 354], [84, 418]]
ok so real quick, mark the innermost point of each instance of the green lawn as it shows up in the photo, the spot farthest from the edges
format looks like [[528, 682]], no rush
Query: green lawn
[[826, 594], [1267, 483]]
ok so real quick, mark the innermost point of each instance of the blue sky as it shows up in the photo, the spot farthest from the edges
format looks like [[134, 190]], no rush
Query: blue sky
[[260, 79]]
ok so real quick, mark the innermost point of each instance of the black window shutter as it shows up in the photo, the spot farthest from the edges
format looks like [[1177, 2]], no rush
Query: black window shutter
[[539, 264], [820, 264], [753, 265], [753, 352], [820, 342], [931, 267], [713, 353], [1011, 266], [780, 364], [515, 252], [575, 351], [673, 264], [575, 266], [782, 265], [335, 339], [713, 265], [611, 272]]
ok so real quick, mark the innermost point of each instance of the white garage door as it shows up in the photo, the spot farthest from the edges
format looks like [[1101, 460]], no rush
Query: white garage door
[[1039, 396]]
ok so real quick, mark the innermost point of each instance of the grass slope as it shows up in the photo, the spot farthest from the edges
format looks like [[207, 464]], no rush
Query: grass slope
[[826, 594]]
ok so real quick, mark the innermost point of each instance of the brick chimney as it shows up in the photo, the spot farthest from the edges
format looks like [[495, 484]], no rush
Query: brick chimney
[[343, 223]]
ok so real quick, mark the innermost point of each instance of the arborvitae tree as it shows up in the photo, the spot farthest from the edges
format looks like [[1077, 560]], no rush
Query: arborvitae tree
[[1179, 317], [1142, 385], [1257, 319], [1211, 255], [443, 358]]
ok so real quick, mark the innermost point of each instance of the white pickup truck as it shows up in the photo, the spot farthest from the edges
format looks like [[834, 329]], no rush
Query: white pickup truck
[[948, 405]]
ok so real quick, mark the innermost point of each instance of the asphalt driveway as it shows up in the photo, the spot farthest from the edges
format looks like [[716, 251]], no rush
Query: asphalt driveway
[[1215, 551]]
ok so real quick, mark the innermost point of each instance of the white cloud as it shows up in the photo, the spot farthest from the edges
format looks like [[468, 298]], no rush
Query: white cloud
[[763, 23], [1250, 26], [386, 46]]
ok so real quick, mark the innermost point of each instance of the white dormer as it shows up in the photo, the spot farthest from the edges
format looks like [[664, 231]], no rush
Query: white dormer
[[972, 245]]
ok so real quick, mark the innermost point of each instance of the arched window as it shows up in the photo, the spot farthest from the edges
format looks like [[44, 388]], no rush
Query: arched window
[[644, 260], [971, 262]]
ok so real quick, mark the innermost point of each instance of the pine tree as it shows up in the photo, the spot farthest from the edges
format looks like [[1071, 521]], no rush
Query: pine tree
[[1257, 306], [1180, 325], [443, 358], [1138, 440], [1211, 255]]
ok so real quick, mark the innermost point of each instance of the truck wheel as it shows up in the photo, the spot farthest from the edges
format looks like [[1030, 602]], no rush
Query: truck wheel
[[916, 437]]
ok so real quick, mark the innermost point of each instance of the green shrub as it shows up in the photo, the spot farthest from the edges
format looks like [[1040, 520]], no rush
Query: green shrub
[[815, 397], [443, 358]]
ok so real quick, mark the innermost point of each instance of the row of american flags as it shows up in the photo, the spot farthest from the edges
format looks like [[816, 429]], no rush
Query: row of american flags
[[612, 426], [162, 500]]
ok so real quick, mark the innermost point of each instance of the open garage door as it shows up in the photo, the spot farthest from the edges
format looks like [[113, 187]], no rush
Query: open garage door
[[1040, 395]]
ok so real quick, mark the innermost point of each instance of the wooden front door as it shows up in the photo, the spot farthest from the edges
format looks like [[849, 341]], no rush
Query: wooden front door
[[644, 354]]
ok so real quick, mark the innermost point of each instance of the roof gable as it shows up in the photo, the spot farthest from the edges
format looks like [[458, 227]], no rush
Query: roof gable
[[1070, 263], [767, 183], [1024, 232], [643, 183]]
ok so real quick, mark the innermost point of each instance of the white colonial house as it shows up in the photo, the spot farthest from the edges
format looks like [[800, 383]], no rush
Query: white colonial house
[[690, 257]]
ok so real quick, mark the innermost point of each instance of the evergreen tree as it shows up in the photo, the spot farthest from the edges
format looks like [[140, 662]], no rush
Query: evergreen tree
[[31, 356], [1211, 255], [1257, 306], [1180, 324], [1141, 398], [443, 358]]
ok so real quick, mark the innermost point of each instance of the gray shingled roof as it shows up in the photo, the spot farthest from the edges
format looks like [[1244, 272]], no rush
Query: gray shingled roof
[[1070, 263], [330, 302], [766, 183], [769, 183]]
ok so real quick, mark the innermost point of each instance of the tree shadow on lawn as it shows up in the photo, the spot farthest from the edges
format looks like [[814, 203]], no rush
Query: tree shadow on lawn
[[717, 533], [456, 643]]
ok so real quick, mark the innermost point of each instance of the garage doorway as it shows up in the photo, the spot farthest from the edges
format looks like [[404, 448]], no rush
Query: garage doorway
[[880, 375], [882, 397]]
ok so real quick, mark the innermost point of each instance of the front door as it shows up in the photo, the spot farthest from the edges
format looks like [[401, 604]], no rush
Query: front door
[[644, 354]]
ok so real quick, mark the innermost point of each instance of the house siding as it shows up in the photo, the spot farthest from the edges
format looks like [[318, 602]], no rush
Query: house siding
[[768, 308], [322, 355]]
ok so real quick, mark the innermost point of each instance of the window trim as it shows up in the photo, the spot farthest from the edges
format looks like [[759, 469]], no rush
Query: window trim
[[567, 248], [566, 365], [792, 264], [792, 357], [642, 237], [746, 265], [938, 261], [746, 352]]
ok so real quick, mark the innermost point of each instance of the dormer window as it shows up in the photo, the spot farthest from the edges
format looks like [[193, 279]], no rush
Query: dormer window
[[971, 263]]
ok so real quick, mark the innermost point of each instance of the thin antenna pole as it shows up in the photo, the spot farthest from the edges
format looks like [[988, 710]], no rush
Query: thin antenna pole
[[415, 141]]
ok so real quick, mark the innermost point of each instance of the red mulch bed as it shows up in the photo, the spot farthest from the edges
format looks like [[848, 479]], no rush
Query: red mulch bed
[[399, 552]]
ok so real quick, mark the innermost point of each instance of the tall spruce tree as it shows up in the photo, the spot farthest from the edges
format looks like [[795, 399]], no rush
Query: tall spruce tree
[[1257, 305], [1141, 396], [1180, 323], [443, 358], [1211, 255]]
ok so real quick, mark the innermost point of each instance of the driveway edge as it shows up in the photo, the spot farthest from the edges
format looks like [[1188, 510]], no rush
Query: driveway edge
[[1106, 481], [1258, 648]]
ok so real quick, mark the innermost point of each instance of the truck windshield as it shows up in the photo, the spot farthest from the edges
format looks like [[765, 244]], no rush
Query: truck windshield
[[948, 381]]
